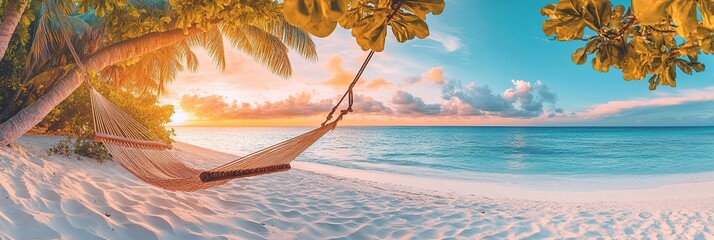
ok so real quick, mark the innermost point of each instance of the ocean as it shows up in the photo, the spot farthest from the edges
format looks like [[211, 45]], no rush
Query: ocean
[[485, 152]]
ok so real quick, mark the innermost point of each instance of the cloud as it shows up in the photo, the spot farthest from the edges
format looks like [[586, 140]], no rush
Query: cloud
[[367, 104], [412, 80], [377, 83], [524, 100], [449, 42], [341, 77], [407, 104], [696, 113], [616, 107], [214, 107], [436, 75]]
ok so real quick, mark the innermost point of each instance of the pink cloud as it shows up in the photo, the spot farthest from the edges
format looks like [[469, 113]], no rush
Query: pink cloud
[[615, 107], [521, 88], [215, 107], [341, 77], [436, 75], [377, 83]]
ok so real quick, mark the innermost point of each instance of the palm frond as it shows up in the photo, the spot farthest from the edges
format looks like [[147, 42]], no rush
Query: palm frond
[[263, 47], [46, 77], [214, 45], [48, 42], [183, 50], [148, 74], [294, 37]]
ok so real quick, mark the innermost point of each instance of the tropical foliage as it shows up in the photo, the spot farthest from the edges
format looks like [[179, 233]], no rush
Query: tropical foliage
[[651, 40], [366, 18], [138, 46], [73, 116]]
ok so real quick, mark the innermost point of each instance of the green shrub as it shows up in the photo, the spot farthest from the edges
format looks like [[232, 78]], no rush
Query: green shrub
[[63, 148], [74, 115], [81, 147]]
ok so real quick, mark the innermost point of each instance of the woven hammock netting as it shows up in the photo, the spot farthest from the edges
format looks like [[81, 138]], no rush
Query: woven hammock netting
[[147, 157]]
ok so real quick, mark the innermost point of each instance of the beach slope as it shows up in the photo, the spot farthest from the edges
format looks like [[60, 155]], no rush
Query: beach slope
[[45, 197]]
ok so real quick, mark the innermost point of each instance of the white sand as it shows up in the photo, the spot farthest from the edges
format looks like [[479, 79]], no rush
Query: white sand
[[45, 197]]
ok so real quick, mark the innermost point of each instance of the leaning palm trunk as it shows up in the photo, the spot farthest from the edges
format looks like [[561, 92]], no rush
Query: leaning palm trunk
[[13, 13], [34, 113]]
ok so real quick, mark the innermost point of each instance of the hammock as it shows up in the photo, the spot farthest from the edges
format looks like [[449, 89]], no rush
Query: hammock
[[146, 156]]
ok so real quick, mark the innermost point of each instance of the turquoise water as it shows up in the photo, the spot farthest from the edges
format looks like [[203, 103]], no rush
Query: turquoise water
[[464, 151]]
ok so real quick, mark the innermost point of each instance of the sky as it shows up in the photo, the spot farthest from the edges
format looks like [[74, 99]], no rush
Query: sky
[[484, 63]]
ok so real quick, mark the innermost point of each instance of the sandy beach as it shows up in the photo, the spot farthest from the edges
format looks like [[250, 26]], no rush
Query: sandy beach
[[49, 197]]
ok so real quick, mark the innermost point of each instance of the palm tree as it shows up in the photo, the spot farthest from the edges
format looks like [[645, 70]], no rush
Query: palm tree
[[266, 42], [49, 56], [13, 13]]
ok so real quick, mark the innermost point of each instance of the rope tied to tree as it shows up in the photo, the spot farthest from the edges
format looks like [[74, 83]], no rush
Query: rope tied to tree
[[396, 5]]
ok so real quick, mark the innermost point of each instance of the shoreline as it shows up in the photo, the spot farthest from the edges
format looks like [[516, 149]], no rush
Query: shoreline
[[630, 188], [62, 197], [673, 191]]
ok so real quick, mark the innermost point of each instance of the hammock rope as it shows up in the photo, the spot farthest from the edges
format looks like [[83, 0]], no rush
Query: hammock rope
[[144, 155]]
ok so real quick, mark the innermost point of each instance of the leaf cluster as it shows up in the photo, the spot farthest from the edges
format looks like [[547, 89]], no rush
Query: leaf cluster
[[366, 18], [652, 38]]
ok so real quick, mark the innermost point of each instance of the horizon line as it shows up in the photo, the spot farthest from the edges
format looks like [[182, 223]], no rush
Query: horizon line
[[484, 126]]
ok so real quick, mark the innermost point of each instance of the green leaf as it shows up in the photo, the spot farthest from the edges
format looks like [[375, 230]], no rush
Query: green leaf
[[689, 48], [351, 18], [592, 45], [567, 21], [684, 66], [631, 68], [669, 75], [334, 9], [706, 45], [297, 12], [613, 53], [697, 66], [639, 44], [659, 40], [669, 41], [616, 17], [654, 82], [372, 34], [650, 12], [599, 12], [548, 10], [406, 26], [706, 8], [376, 39], [601, 62], [684, 14], [422, 7], [579, 57]]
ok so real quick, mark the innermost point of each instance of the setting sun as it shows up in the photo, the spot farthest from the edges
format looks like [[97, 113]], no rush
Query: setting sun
[[179, 118]]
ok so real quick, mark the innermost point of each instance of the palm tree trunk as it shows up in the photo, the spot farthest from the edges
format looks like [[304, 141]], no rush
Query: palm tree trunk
[[34, 113], [13, 13]]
